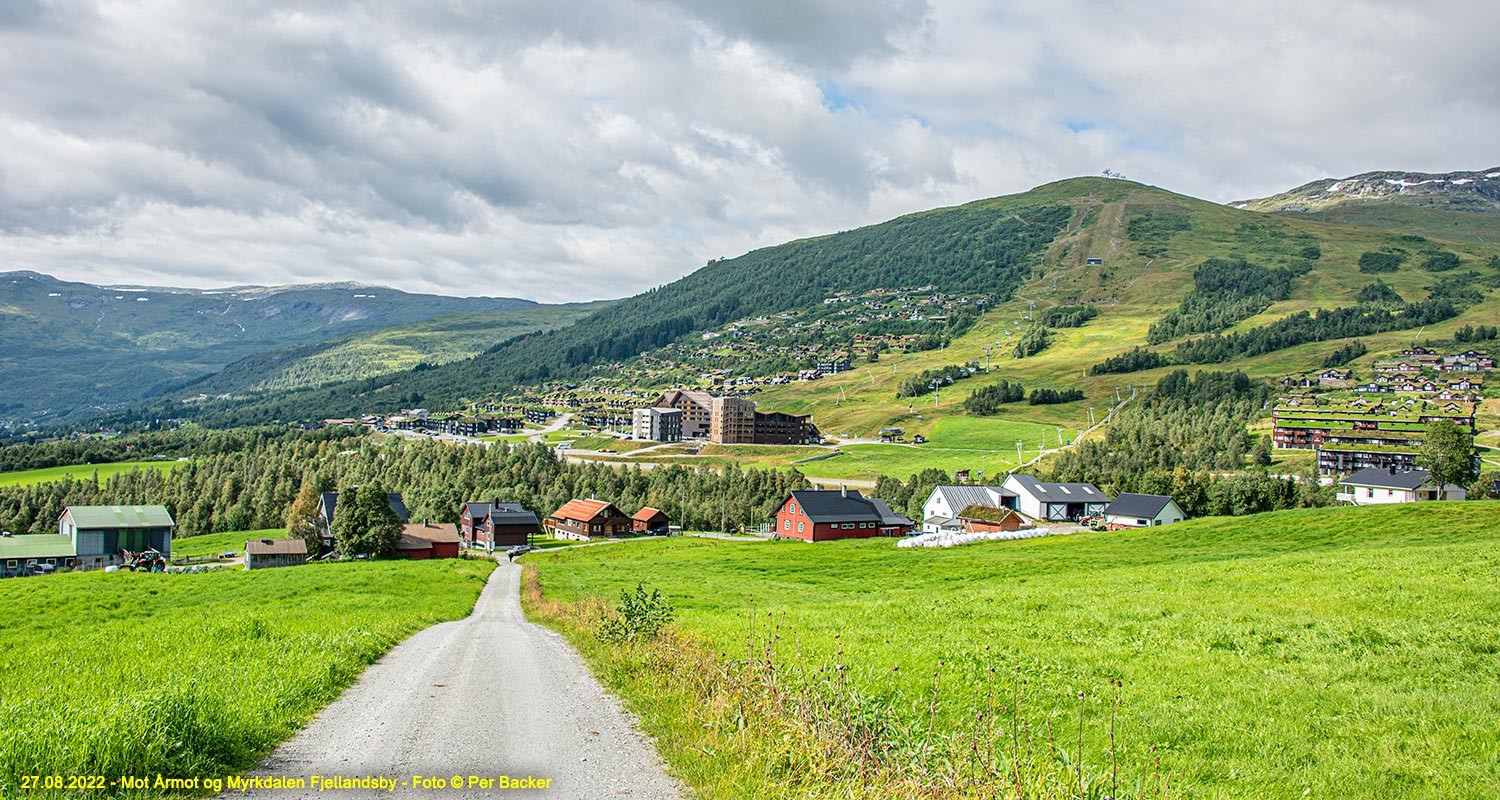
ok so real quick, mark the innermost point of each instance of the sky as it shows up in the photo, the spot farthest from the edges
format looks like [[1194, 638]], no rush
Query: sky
[[589, 149]]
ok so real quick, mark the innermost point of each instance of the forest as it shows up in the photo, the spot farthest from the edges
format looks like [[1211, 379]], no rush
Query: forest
[[1132, 360], [251, 488], [1068, 316], [1225, 291], [1034, 341], [922, 383], [987, 400]]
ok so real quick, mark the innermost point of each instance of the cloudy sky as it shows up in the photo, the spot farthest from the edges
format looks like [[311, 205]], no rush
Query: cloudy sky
[[594, 148]]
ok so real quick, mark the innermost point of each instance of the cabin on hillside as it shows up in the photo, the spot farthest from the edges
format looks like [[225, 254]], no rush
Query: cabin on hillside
[[495, 524], [816, 515], [101, 534], [650, 521], [270, 553], [1055, 502], [588, 519], [1143, 510]]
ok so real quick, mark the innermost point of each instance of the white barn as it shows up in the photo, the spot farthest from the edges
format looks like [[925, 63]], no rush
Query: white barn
[[940, 512], [1055, 502]]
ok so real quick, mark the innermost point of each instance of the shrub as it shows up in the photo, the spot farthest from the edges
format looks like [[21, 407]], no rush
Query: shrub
[[639, 616], [1380, 262]]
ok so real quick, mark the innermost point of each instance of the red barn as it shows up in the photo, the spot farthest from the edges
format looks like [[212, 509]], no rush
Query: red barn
[[814, 515], [585, 519], [650, 520], [428, 540]]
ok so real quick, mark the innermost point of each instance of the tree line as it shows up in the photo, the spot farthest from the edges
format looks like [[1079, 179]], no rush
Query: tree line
[[1225, 291]]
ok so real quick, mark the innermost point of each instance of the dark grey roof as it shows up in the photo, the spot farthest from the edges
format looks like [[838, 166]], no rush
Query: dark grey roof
[[887, 516], [827, 505], [1061, 492], [1383, 479], [1141, 506], [501, 517], [478, 511]]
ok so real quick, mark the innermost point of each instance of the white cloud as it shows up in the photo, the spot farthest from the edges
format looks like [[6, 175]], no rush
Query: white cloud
[[593, 149]]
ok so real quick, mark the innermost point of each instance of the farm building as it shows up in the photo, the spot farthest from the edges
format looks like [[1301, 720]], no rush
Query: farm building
[[649, 520], [101, 534], [816, 515], [1055, 502], [980, 518], [585, 519], [420, 542], [940, 512], [21, 555], [328, 504], [1370, 487], [270, 553], [496, 524], [1143, 510]]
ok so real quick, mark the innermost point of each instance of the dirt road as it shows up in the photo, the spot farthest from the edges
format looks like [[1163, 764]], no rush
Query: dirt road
[[488, 695]]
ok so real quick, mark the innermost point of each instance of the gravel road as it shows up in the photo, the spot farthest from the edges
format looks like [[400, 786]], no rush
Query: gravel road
[[489, 695]]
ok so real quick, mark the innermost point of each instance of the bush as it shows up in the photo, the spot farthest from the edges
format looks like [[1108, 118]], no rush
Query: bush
[[639, 616], [1380, 262], [1440, 261]]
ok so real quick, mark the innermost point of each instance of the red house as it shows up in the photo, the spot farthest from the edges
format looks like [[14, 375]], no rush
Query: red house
[[650, 520], [814, 515], [428, 540], [585, 519], [496, 524]]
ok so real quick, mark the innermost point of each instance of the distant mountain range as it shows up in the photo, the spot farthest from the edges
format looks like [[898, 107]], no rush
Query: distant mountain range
[[76, 349], [1460, 206]]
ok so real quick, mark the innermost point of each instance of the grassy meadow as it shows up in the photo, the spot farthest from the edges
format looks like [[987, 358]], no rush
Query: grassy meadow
[[197, 675], [79, 472], [1350, 653], [216, 543]]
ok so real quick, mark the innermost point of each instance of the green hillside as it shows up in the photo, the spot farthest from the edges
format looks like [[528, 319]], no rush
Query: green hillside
[[442, 340], [74, 349], [1014, 250], [1337, 653]]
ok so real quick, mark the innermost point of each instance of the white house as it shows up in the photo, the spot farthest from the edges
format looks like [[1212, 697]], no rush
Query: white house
[[1377, 486], [1143, 510], [1055, 502], [940, 512]]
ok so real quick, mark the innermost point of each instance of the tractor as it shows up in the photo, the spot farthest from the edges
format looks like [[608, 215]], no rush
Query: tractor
[[148, 560]]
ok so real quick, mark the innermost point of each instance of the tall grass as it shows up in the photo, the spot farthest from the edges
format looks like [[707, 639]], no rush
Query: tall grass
[[196, 675], [1343, 652]]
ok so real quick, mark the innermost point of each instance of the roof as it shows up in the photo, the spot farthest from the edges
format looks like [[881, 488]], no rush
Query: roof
[[828, 505], [1383, 478], [583, 509], [960, 497], [1141, 506], [121, 516], [330, 502], [1060, 492], [431, 533], [887, 516], [275, 547], [647, 514], [41, 545]]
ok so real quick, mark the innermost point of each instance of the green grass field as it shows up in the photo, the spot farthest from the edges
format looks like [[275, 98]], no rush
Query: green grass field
[[1348, 653], [196, 675], [215, 543], [80, 472]]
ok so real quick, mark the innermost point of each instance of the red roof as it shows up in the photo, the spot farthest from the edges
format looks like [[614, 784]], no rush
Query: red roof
[[430, 533], [647, 514], [585, 510]]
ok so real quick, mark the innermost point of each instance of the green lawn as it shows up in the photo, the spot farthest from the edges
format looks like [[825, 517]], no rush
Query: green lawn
[[1347, 652], [197, 675], [79, 472], [215, 543]]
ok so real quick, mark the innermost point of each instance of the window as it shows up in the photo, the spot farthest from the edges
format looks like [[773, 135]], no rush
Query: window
[[799, 527], [12, 563], [1369, 493], [792, 507], [786, 524]]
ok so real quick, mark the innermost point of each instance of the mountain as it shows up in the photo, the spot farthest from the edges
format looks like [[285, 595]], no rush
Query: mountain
[[1464, 206], [75, 349], [1173, 273]]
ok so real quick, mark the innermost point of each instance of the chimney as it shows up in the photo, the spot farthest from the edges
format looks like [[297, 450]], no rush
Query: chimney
[[1392, 469]]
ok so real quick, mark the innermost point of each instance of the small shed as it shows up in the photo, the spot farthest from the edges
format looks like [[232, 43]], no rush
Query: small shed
[[269, 553], [979, 518], [650, 520], [1143, 510]]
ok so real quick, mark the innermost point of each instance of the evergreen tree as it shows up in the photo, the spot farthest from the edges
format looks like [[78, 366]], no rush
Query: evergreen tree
[[1448, 454], [1261, 456]]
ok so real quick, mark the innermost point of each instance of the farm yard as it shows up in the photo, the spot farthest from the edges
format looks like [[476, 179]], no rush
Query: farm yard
[[1327, 653], [197, 675]]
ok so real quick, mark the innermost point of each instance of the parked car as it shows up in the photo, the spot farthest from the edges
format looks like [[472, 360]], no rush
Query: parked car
[[519, 550]]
